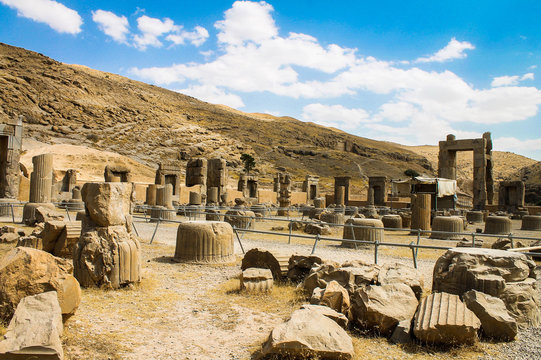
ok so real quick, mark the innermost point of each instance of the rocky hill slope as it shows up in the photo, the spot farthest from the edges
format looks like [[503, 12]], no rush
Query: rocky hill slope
[[76, 105]]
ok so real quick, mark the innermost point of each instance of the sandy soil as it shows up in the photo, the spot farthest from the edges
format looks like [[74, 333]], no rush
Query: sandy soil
[[188, 311], [89, 162]]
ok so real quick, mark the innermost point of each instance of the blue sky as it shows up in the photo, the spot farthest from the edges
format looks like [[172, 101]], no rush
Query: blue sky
[[403, 71]]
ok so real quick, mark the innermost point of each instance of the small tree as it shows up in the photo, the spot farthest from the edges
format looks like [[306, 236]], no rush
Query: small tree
[[249, 162], [412, 173]]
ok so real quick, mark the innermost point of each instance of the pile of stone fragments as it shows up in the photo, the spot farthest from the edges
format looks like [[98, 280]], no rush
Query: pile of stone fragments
[[475, 292]]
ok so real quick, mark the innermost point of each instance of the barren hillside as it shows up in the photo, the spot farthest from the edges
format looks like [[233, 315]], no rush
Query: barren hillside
[[72, 104]]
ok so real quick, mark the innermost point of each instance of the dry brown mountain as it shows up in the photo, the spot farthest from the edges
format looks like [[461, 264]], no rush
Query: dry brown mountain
[[73, 104]]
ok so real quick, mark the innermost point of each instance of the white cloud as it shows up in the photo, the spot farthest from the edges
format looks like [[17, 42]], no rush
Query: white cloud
[[111, 24], [59, 17], [510, 80], [336, 116], [196, 37], [454, 50], [151, 29], [255, 16], [416, 106], [517, 145], [213, 95]]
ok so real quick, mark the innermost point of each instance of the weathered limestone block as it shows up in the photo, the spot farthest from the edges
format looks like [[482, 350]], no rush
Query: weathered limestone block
[[402, 332], [362, 229], [392, 221], [50, 233], [106, 256], [106, 203], [34, 213], [475, 216], [316, 296], [35, 329], [522, 301], [336, 297], [401, 274], [8, 238], [335, 316], [498, 225], [162, 213], [531, 222], [486, 270], [30, 241], [443, 318], [256, 280], [25, 271], [449, 224], [319, 203], [506, 275], [204, 241], [317, 229], [66, 241], [382, 307], [406, 220], [213, 215], [241, 219], [299, 266], [350, 275], [277, 263], [309, 334], [495, 319], [340, 193], [331, 217]]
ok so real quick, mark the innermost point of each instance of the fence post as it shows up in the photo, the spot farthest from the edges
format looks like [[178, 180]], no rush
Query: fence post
[[472, 240], [376, 244], [134, 228], [290, 226], [12, 213], [511, 240], [238, 238], [414, 255], [156, 228], [418, 242], [67, 212], [315, 244]]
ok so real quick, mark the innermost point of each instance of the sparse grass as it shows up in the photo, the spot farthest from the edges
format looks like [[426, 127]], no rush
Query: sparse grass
[[3, 329], [84, 344], [282, 300], [372, 347]]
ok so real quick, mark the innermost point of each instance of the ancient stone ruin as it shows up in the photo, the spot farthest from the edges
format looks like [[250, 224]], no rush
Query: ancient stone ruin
[[511, 195], [41, 181], [284, 194], [378, 185], [204, 242], [11, 137], [483, 180], [248, 185], [196, 172], [341, 181], [310, 186], [169, 173], [117, 173], [108, 252], [217, 176]]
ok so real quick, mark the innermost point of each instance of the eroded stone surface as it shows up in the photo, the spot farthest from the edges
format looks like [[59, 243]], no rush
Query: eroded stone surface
[[256, 280], [309, 334], [35, 329]]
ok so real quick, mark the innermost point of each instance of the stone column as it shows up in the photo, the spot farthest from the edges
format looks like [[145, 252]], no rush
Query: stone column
[[151, 195], [340, 193], [212, 195], [160, 195], [168, 196], [195, 198], [370, 196], [41, 179], [420, 211]]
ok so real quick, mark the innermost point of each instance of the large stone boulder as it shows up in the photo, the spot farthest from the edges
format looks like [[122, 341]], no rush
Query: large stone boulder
[[381, 308], [25, 271], [336, 297], [107, 203], [350, 276], [509, 276], [299, 266], [443, 319], [35, 329], [401, 274], [309, 334], [495, 319], [335, 316]]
